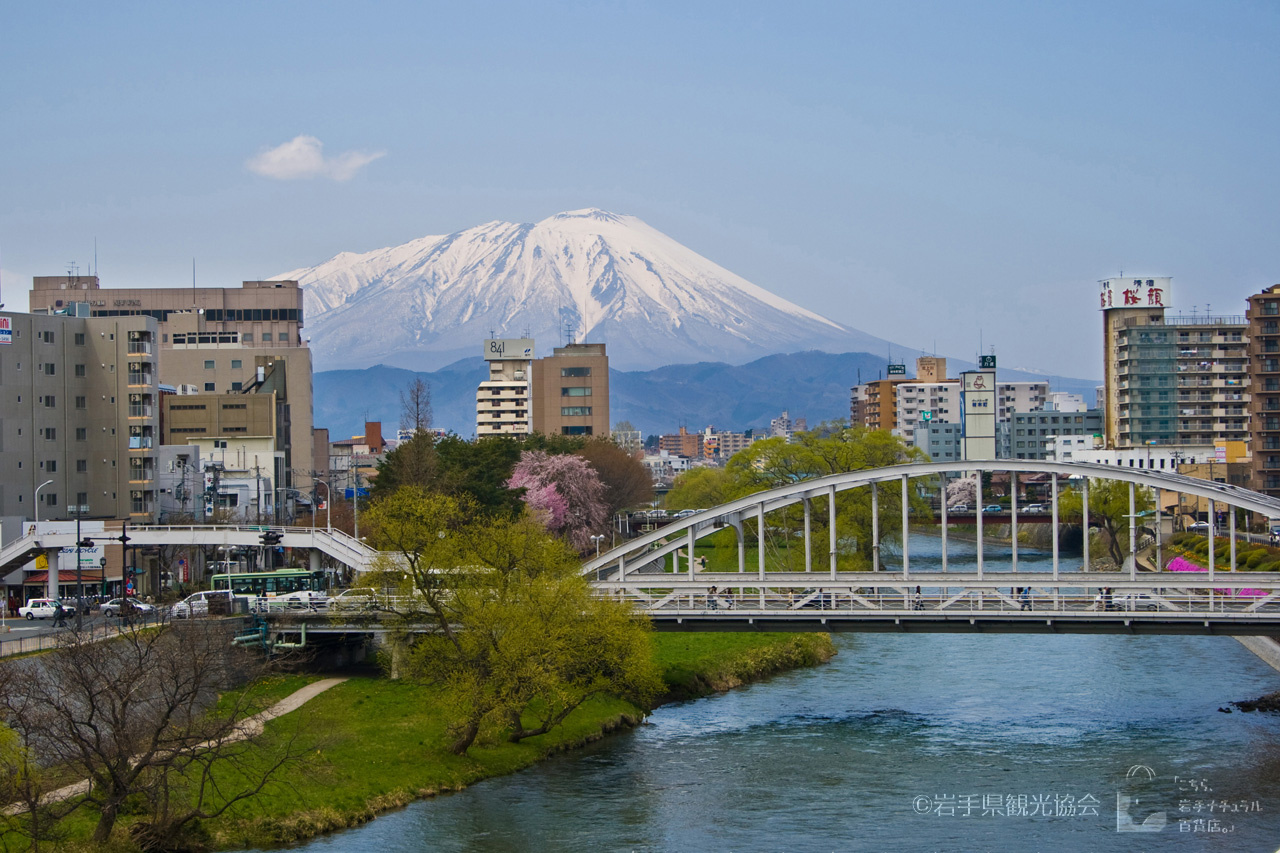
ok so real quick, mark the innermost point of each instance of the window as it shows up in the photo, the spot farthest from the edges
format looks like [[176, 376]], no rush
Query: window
[[575, 392], [575, 411], [80, 402], [51, 498], [247, 337], [80, 371], [82, 434], [226, 406], [208, 365], [575, 371], [575, 430], [208, 386], [219, 444], [47, 337], [82, 498], [266, 336], [82, 466], [236, 386], [79, 339], [51, 466], [49, 369], [235, 364]]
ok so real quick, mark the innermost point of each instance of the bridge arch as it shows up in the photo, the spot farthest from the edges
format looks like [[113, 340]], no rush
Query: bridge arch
[[684, 532]]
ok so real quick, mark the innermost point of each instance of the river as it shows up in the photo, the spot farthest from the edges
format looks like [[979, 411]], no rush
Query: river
[[908, 743]]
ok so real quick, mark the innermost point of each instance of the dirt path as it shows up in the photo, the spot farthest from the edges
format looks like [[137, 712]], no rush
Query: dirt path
[[248, 727]]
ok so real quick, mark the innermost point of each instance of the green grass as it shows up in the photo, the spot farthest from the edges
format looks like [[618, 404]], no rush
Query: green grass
[[371, 743]]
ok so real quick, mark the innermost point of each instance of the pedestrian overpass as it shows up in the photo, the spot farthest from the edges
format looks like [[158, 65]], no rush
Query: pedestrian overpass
[[343, 549]]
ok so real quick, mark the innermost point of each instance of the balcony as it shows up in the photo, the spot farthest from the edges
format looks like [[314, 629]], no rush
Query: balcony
[[141, 378], [137, 411]]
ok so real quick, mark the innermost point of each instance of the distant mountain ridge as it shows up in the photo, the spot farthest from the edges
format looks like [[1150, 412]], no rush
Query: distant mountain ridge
[[609, 278], [814, 385]]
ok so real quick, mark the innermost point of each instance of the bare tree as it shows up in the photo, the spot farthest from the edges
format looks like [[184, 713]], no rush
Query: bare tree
[[132, 718], [415, 406]]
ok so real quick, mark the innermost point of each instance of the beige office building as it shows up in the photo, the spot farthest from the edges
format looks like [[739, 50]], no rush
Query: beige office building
[[210, 338], [78, 417], [571, 391]]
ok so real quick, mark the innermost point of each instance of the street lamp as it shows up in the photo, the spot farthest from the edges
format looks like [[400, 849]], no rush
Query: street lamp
[[38, 488], [596, 539], [328, 506]]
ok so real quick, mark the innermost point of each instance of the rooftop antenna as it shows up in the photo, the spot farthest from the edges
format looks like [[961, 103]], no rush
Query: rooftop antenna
[[193, 273], [95, 257], [1, 280]]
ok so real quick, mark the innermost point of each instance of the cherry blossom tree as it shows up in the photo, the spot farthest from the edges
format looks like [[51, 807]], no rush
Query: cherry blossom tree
[[564, 491]]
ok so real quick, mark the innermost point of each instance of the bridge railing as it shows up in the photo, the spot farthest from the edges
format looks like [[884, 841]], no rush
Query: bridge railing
[[1105, 597]]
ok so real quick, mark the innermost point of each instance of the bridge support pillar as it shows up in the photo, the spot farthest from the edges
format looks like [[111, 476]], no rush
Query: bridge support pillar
[[831, 529], [978, 508], [760, 541], [875, 528], [1133, 533], [808, 537], [942, 490], [314, 559], [1084, 507], [1053, 480], [1013, 518], [906, 547]]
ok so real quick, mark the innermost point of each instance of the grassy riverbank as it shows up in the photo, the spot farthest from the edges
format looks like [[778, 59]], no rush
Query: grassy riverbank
[[376, 744]]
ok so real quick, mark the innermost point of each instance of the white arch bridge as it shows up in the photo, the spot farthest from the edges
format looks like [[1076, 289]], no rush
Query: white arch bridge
[[1072, 597]]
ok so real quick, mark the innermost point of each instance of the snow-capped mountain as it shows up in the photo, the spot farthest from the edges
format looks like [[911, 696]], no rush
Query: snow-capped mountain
[[609, 278]]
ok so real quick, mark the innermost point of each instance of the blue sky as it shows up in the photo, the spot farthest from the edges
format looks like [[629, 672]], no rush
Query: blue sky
[[928, 172]]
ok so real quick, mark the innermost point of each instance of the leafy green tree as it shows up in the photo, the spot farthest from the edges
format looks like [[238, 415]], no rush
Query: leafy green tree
[[832, 448], [698, 488], [479, 469], [412, 463], [520, 640], [1108, 510]]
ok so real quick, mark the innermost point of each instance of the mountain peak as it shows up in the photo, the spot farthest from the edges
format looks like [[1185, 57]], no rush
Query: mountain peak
[[589, 273], [592, 213]]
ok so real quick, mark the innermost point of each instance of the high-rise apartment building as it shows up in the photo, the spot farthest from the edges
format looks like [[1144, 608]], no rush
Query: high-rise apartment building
[[79, 416], [1170, 380], [209, 337], [504, 401], [1264, 389]]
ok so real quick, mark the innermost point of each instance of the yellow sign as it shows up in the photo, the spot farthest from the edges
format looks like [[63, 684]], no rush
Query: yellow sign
[[42, 562]]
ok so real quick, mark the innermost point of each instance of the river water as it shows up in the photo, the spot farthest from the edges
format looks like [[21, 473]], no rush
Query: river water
[[908, 743]]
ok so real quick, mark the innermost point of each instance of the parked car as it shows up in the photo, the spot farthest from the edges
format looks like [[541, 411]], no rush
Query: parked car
[[1198, 527], [39, 608], [1034, 509], [993, 508], [124, 606], [202, 604], [960, 508]]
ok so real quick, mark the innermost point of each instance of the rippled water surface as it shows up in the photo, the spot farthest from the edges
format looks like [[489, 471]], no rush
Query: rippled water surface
[[911, 743]]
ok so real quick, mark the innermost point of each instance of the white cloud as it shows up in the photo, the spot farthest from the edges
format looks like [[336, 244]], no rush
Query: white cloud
[[303, 157]]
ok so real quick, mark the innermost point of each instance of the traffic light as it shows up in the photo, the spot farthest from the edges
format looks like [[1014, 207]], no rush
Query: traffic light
[[271, 538]]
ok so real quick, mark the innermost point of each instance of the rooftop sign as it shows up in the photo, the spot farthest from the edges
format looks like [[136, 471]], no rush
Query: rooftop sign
[[1134, 292], [508, 349]]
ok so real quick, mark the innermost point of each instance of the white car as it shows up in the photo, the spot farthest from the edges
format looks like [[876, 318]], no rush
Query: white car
[[354, 599], [120, 606], [197, 604], [40, 608], [1198, 527]]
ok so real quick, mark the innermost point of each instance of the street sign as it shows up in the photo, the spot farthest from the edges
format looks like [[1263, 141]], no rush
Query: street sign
[[350, 493], [986, 362], [927, 415], [896, 370]]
